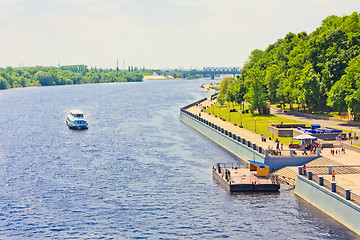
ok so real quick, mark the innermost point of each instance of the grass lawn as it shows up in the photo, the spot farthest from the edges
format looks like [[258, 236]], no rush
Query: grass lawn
[[253, 122]]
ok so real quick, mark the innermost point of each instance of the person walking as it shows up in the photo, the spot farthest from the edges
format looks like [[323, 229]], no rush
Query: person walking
[[333, 175]]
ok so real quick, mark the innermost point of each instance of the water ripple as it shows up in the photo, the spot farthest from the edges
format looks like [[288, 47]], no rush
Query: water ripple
[[136, 173]]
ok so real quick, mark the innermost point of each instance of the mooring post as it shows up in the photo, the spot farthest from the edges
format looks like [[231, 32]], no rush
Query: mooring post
[[309, 175], [300, 170], [333, 186], [321, 181], [347, 194]]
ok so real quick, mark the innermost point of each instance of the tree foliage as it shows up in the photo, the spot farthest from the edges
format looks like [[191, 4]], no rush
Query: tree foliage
[[319, 71], [225, 83], [75, 74]]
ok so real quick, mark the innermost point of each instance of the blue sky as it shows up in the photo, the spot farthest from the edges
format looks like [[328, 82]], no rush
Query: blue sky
[[152, 33]]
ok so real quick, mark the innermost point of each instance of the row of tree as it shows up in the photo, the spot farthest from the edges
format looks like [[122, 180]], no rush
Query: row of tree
[[64, 75], [315, 72]]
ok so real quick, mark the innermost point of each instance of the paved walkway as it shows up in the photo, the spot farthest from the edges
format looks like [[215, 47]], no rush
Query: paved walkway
[[242, 132], [323, 123]]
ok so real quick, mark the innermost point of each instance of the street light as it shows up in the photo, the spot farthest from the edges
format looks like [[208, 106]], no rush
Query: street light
[[351, 135], [255, 125], [229, 115], [240, 118]]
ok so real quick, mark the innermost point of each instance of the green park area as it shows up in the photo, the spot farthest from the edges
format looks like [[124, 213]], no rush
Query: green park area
[[251, 121], [254, 122]]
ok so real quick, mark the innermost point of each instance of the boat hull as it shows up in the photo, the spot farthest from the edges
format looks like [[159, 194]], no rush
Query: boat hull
[[76, 127]]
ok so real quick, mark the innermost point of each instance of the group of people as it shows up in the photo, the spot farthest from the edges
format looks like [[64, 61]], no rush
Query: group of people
[[336, 152], [278, 145], [310, 146], [274, 152], [311, 152], [263, 138]]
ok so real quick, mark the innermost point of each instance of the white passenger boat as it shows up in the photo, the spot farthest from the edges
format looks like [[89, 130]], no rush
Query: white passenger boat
[[76, 120]]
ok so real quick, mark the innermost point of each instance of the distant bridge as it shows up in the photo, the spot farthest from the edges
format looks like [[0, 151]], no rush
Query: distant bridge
[[206, 70]]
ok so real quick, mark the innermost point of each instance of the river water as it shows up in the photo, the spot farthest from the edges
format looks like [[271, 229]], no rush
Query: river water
[[136, 173]]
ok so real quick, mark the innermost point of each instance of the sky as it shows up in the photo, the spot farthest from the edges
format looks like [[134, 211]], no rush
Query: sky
[[155, 34]]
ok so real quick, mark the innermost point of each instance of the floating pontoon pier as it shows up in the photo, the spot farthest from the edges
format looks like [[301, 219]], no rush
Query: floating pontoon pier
[[239, 179]]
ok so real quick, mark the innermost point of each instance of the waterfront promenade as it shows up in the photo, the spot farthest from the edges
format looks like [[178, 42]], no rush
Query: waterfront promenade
[[349, 159], [251, 136], [339, 197]]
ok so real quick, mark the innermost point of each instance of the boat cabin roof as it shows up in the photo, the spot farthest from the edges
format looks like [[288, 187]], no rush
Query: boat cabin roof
[[72, 112]]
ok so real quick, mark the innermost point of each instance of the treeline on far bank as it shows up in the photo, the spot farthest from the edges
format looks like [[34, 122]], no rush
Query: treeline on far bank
[[313, 72], [64, 75]]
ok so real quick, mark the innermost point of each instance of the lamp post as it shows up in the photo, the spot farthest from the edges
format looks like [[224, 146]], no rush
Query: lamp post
[[351, 135], [255, 125], [240, 118]]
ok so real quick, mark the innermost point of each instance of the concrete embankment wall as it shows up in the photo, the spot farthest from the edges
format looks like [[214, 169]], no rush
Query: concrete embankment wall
[[243, 149], [331, 203], [240, 150]]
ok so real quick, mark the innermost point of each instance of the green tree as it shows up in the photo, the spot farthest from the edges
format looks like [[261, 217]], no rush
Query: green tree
[[240, 92], [256, 95], [353, 103], [3, 83], [336, 97], [23, 81], [272, 80], [231, 93], [225, 83], [221, 99], [43, 79], [310, 88]]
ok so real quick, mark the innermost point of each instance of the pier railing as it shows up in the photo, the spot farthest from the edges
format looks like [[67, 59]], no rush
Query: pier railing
[[223, 131], [229, 165], [342, 169], [194, 103], [331, 185]]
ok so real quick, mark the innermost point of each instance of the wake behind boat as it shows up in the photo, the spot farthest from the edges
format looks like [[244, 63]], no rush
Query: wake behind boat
[[76, 120]]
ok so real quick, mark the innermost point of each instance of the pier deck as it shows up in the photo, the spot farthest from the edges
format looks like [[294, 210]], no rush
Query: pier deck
[[244, 180]]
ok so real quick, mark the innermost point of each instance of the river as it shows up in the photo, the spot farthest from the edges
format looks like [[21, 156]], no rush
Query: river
[[136, 173]]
